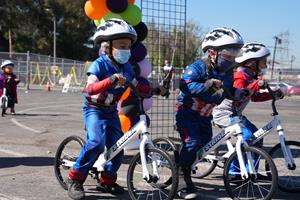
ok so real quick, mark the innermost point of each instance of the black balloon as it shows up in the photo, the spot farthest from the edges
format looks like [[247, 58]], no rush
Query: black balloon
[[117, 6], [141, 30], [138, 52], [137, 70]]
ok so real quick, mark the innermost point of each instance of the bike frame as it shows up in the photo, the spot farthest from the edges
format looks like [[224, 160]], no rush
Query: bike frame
[[265, 130], [262, 132], [233, 130], [140, 130]]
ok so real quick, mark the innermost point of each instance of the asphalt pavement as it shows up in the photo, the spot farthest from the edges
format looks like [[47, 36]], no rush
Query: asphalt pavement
[[28, 142]]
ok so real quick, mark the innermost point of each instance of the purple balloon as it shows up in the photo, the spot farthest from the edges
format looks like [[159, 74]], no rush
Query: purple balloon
[[117, 6], [138, 52], [145, 68], [147, 104]]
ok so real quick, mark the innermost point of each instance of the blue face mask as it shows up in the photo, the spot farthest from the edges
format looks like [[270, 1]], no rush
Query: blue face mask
[[223, 65], [122, 56]]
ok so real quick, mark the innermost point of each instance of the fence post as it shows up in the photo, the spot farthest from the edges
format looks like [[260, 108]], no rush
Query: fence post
[[27, 72]]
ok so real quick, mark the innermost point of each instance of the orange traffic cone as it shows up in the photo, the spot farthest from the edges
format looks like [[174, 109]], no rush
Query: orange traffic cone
[[48, 87]]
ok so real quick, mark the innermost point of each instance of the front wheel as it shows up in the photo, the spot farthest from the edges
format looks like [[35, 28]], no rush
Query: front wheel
[[288, 176], [162, 185], [260, 185], [66, 155]]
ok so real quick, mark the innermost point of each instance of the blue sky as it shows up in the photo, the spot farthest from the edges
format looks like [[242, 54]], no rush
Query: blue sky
[[256, 20]]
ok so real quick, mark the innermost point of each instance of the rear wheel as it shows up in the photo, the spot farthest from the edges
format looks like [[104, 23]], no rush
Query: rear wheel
[[167, 145], [205, 167], [66, 154], [288, 176]]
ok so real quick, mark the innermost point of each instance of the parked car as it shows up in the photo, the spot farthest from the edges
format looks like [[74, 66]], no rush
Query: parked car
[[295, 90], [287, 88]]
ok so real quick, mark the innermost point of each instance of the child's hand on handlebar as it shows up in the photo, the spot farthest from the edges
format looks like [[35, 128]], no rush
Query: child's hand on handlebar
[[214, 84], [120, 79]]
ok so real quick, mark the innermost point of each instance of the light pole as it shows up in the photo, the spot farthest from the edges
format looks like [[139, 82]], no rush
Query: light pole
[[277, 40], [292, 60], [54, 35]]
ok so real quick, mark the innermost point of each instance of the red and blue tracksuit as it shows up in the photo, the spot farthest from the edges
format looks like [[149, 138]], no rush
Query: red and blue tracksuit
[[194, 106], [101, 119]]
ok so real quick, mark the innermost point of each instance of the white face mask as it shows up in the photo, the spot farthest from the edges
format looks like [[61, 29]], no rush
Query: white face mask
[[122, 56]]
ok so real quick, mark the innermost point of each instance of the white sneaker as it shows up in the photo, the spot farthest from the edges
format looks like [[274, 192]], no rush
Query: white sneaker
[[188, 193]]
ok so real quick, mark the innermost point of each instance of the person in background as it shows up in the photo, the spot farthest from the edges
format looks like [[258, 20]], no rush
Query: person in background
[[9, 81]]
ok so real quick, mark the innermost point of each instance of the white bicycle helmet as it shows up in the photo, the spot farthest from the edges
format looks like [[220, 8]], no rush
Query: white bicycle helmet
[[221, 38], [252, 51], [7, 62], [113, 29]]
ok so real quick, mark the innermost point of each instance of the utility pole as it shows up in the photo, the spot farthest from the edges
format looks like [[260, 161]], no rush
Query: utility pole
[[54, 35], [277, 41], [292, 60], [54, 40], [9, 42]]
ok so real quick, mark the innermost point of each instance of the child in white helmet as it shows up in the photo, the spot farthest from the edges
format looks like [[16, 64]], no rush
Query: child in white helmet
[[252, 61], [9, 81], [107, 80], [200, 91]]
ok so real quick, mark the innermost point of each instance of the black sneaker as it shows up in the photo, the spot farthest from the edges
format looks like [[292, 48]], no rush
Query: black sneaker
[[188, 193], [113, 189], [75, 190]]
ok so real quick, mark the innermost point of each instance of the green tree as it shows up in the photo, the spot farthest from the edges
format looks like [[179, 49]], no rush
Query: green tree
[[31, 25]]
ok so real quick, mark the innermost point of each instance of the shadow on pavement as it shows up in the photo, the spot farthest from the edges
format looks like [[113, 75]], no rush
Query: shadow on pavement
[[39, 115], [93, 194], [6, 162]]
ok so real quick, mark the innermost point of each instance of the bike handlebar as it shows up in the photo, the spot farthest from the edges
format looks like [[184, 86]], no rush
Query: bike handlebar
[[273, 99]]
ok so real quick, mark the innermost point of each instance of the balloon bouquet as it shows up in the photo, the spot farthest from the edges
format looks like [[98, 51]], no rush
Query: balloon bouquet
[[100, 10]]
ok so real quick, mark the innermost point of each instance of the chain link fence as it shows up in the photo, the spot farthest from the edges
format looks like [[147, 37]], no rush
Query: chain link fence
[[36, 69]]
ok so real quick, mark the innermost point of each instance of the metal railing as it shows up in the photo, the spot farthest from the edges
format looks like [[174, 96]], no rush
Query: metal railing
[[36, 69]]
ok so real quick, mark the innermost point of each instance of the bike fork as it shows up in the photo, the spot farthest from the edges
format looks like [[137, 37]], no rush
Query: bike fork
[[244, 172], [288, 157], [146, 175]]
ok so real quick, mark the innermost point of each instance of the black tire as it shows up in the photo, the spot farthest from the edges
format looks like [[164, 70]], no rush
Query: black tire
[[261, 187], [75, 143], [158, 188], [167, 145], [205, 167], [288, 177]]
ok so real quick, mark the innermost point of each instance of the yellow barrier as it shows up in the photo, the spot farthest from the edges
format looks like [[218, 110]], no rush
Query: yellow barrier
[[41, 79]]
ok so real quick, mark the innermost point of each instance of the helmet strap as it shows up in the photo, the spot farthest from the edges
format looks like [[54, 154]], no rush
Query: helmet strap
[[214, 64]]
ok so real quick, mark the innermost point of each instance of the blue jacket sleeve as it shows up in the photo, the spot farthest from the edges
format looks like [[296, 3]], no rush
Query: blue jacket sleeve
[[94, 69], [193, 84]]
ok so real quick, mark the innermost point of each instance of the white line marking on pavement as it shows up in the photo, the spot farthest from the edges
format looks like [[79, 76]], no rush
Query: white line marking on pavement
[[13, 120], [52, 106], [12, 153]]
